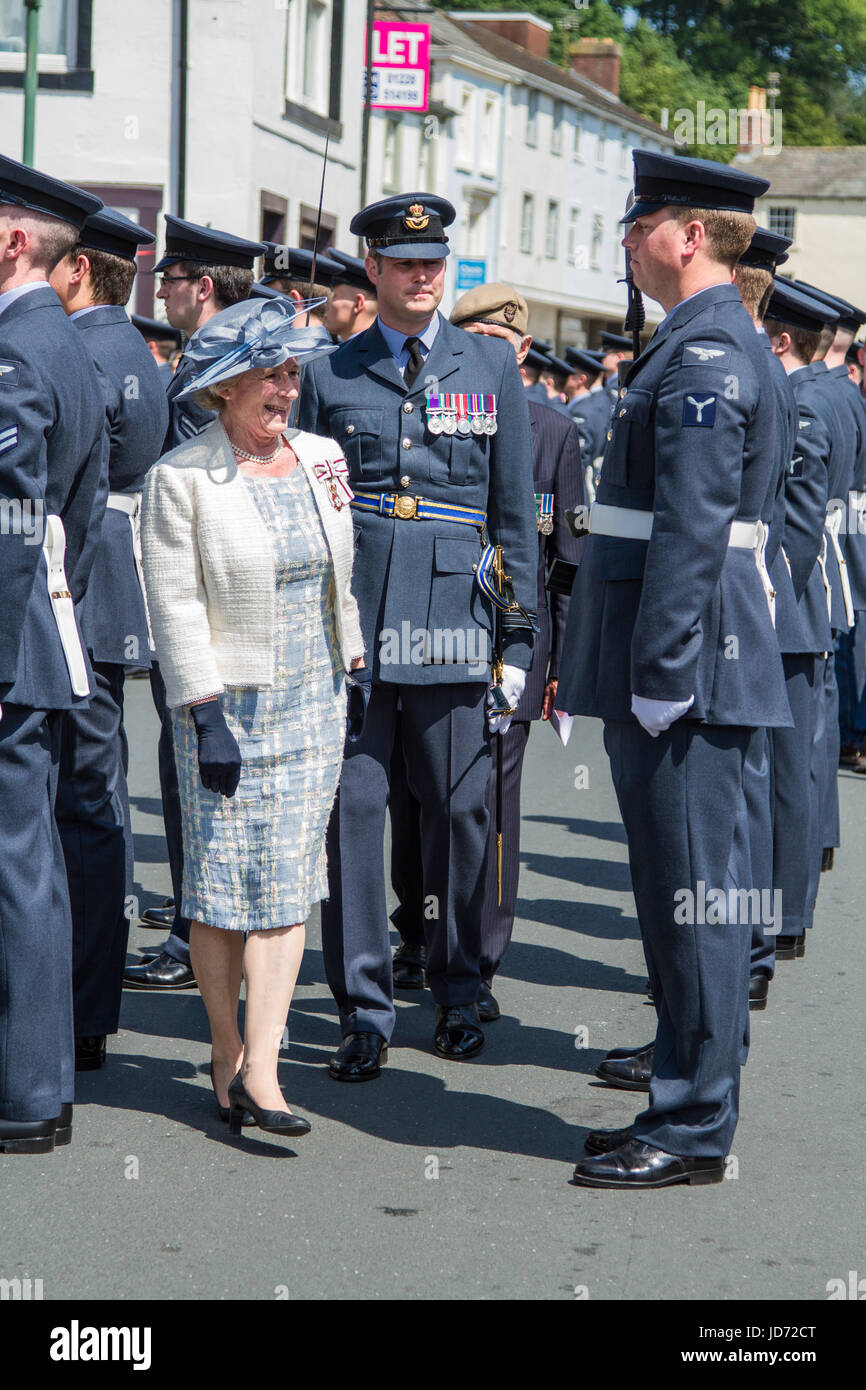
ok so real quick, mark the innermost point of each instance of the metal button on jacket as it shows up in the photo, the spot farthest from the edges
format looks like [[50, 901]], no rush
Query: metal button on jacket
[[350, 429], [407, 444], [405, 480], [408, 407]]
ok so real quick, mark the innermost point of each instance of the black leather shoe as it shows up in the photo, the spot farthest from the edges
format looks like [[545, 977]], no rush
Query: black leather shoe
[[628, 1073], [224, 1110], [89, 1054], [360, 1058], [458, 1034], [159, 916], [604, 1141], [27, 1136], [63, 1133], [827, 857], [408, 966], [636, 1164], [790, 947], [625, 1052], [486, 1004], [242, 1108], [759, 989], [163, 973], [649, 990]]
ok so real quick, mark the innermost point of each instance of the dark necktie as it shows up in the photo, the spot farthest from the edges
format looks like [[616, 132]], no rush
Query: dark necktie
[[416, 360]]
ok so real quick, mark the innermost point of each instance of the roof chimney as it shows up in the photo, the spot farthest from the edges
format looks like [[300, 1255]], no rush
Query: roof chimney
[[598, 60], [523, 28]]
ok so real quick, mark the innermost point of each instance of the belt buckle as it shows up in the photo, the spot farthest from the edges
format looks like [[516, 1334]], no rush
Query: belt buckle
[[405, 507]]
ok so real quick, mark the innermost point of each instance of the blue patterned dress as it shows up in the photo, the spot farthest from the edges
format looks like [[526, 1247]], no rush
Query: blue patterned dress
[[257, 859]]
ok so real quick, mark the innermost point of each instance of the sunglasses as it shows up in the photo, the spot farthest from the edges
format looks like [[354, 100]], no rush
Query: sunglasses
[[174, 279]]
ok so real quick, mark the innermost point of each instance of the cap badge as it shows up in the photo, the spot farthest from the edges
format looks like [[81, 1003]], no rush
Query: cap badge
[[509, 311], [416, 221]]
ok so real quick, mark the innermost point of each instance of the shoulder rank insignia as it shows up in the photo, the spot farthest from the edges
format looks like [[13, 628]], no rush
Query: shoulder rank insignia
[[8, 438], [702, 354], [699, 410]]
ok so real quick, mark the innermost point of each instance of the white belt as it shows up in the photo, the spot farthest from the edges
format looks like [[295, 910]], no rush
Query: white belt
[[857, 509], [54, 549], [822, 566], [600, 519], [833, 525], [130, 502]]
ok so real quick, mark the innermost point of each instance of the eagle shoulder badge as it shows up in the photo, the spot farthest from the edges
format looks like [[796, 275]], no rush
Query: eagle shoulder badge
[[705, 355]]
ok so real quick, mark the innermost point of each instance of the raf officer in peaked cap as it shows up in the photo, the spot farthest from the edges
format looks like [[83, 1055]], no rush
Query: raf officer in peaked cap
[[53, 488], [670, 640], [203, 271], [498, 311], [94, 282], [435, 430], [287, 269]]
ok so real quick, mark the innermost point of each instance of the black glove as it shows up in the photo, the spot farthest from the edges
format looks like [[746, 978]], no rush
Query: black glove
[[219, 758], [360, 683]]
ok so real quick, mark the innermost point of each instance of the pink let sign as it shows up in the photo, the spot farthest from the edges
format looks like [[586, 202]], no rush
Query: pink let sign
[[400, 66]]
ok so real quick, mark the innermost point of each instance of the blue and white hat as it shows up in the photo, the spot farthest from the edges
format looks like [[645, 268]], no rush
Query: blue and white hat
[[254, 333]]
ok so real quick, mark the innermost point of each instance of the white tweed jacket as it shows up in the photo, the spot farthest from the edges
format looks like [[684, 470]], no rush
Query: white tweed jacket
[[209, 567]]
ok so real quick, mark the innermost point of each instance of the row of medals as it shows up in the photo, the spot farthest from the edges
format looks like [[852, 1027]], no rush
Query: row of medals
[[448, 422]]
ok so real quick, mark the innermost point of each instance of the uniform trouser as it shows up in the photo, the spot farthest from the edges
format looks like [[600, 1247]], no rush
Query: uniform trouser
[[759, 805], [849, 678], [797, 794], [37, 1056], [682, 799], [497, 919], [829, 747], [447, 753], [178, 941], [92, 812]]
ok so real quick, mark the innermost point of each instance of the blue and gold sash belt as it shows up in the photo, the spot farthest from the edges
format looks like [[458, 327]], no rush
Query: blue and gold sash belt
[[393, 504]]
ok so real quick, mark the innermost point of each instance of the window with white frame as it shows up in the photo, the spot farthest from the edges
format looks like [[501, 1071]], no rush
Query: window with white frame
[[597, 240], [58, 25], [551, 235], [556, 129], [532, 117], [624, 152], [465, 135], [489, 135], [576, 252], [527, 217], [308, 47], [577, 136], [601, 145], [782, 221], [391, 161]]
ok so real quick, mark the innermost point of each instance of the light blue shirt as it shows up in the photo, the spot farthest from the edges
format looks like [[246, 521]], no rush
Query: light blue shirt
[[396, 341], [89, 310], [9, 296]]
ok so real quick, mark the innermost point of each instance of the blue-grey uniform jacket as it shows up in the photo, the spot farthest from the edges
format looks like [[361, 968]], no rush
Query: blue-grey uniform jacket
[[185, 418], [556, 470], [839, 422], [592, 413], [693, 440], [805, 508], [850, 403], [416, 577], [54, 453], [113, 615], [789, 626]]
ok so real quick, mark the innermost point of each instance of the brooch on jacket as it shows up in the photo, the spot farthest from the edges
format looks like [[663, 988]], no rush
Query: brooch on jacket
[[334, 472]]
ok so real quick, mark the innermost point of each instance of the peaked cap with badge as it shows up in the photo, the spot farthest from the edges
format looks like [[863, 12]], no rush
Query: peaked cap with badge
[[411, 226], [187, 241], [766, 251], [296, 263], [666, 180], [110, 231]]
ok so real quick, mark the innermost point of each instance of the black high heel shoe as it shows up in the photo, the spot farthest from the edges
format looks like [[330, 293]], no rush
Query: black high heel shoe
[[224, 1109], [272, 1121]]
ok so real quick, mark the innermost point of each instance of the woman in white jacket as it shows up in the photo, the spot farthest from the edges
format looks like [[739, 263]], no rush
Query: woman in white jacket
[[247, 551]]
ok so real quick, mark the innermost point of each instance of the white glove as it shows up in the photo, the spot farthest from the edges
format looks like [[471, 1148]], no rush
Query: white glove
[[657, 715], [511, 685]]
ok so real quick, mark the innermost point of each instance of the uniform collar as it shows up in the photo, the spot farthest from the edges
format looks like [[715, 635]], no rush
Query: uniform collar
[[9, 296], [395, 339]]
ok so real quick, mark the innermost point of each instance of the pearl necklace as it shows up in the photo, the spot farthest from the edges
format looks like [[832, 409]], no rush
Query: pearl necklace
[[261, 459]]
